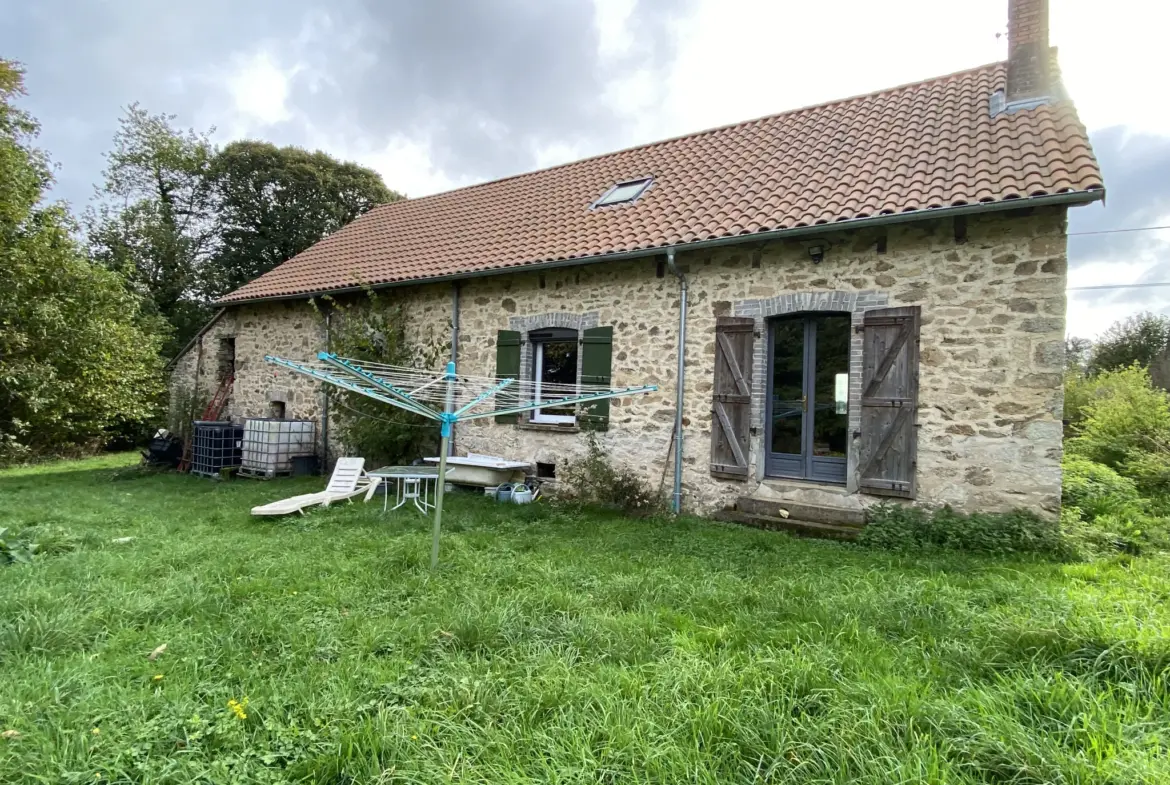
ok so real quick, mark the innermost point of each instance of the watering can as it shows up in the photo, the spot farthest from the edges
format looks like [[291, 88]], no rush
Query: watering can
[[521, 493]]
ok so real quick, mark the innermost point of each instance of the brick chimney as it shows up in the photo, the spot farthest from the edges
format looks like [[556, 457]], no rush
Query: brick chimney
[[1029, 80]]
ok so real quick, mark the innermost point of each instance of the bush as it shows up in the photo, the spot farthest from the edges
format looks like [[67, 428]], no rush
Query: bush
[[1078, 392], [1085, 540], [593, 479], [1105, 511], [1150, 470], [905, 528], [1125, 425], [1097, 490]]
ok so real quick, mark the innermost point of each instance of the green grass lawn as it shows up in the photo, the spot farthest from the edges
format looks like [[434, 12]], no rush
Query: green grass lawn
[[551, 646]]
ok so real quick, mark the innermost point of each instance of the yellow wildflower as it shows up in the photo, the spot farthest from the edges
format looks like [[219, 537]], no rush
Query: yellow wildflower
[[239, 707], [414, 737], [157, 677], [96, 731]]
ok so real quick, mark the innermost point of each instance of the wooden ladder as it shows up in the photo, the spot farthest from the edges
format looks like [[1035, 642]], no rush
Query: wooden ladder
[[213, 411]]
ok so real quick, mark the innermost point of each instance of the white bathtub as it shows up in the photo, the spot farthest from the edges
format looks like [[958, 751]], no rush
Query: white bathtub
[[483, 470]]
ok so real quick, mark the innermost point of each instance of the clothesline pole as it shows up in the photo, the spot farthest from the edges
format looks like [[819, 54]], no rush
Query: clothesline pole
[[396, 386], [448, 418]]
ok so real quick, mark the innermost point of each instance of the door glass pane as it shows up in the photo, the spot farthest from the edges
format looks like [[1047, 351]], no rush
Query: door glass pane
[[558, 374], [787, 385], [829, 400]]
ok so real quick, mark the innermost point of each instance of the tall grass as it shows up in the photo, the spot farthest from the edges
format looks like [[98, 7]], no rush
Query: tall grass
[[551, 646]]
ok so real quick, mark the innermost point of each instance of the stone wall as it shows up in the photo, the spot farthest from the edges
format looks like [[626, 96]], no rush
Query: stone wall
[[991, 347], [195, 373], [291, 329]]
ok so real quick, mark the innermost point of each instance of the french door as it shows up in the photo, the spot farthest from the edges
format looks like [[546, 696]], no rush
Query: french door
[[808, 397]]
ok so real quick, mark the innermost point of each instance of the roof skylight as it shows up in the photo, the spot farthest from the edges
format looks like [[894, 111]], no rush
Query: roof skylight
[[624, 192]]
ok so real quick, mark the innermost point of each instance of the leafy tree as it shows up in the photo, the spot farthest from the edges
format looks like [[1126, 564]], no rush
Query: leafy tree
[[1142, 339], [155, 222], [1076, 354], [274, 202], [24, 170], [74, 360]]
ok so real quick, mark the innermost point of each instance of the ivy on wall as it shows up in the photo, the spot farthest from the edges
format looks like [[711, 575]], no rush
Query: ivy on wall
[[372, 328]]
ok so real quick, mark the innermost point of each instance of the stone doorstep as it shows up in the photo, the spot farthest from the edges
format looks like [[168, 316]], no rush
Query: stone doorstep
[[831, 515], [814, 492], [790, 525]]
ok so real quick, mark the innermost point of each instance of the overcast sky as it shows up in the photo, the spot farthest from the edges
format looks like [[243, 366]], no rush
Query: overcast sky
[[443, 93]]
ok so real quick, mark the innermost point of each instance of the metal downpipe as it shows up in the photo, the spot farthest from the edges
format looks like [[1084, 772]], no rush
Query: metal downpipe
[[325, 404], [454, 347], [680, 381]]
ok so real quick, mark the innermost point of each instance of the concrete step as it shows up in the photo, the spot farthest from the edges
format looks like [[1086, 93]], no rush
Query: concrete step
[[815, 513], [792, 525]]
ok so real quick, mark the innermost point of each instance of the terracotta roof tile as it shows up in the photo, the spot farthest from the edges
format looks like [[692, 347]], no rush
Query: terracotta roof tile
[[922, 146]]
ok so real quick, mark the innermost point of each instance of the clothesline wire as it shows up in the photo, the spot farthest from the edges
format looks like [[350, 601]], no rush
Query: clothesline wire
[[428, 426], [464, 384], [397, 371], [473, 392], [517, 388]]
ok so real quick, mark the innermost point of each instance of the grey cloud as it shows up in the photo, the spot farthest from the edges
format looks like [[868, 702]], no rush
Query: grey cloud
[[485, 82], [1137, 170], [85, 60]]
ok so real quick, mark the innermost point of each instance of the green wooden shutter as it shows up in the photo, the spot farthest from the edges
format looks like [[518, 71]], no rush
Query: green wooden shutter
[[507, 363], [596, 368]]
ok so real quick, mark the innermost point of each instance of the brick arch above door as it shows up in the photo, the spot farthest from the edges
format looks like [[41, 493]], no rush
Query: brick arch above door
[[543, 321], [854, 303]]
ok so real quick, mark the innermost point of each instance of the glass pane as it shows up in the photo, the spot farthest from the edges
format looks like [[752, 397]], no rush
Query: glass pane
[[624, 193], [558, 368], [829, 401], [787, 385]]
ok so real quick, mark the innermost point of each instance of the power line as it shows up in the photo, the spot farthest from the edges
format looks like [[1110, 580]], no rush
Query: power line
[[1119, 231], [1116, 286]]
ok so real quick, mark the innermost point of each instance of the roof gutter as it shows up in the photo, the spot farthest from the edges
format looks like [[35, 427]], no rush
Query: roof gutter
[[1048, 200]]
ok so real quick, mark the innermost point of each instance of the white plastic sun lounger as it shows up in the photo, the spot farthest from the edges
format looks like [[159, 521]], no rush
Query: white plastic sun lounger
[[345, 483]]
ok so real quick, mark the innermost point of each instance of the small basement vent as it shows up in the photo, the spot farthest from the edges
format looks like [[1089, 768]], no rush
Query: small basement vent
[[214, 446], [270, 446]]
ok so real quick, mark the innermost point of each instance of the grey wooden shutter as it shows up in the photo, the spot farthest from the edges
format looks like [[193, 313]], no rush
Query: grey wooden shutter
[[596, 368], [731, 405], [507, 363], [889, 402]]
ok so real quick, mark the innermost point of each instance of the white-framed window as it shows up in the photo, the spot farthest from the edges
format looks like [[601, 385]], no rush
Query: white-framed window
[[621, 193], [555, 354]]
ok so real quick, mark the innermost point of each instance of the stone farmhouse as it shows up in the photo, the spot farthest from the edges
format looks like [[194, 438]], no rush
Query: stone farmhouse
[[868, 296]]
